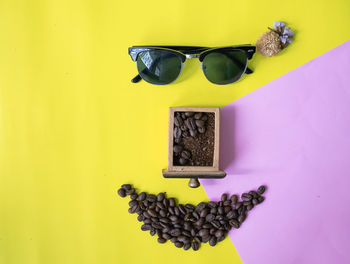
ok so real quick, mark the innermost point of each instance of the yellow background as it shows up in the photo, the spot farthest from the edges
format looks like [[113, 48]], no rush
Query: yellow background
[[73, 127]]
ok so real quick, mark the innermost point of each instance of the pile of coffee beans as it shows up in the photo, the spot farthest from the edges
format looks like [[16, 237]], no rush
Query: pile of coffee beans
[[187, 124], [187, 225]]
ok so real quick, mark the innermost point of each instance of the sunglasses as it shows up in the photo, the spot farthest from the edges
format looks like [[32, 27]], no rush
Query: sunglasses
[[162, 64]]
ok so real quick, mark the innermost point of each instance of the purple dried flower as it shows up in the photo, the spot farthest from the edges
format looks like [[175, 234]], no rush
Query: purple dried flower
[[279, 25], [284, 39], [288, 31]]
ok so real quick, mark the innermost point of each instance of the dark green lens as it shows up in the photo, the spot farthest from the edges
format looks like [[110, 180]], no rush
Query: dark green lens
[[223, 67], [159, 66]]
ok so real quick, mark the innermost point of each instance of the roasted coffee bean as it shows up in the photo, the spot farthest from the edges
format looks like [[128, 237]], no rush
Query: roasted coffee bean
[[234, 199], [182, 209], [261, 189], [195, 245], [209, 217], [246, 197], [261, 199], [255, 201], [193, 232], [200, 206], [203, 232], [219, 239], [232, 214], [200, 222], [146, 220], [219, 233], [238, 205], [201, 130], [145, 214], [175, 232], [206, 239], [212, 231], [126, 187], [213, 210], [172, 202], [198, 115], [161, 240], [151, 198], [187, 246], [207, 226], [142, 196], [184, 129], [185, 154], [219, 217], [165, 220], [182, 238], [224, 197], [199, 123], [254, 194], [156, 225], [182, 161], [160, 205], [130, 192], [152, 213], [171, 210], [227, 209], [177, 225], [162, 213], [220, 210], [189, 207], [166, 236], [245, 203], [177, 133], [189, 114], [166, 202], [132, 203], [178, 120], [159, 232], [133, 209], [173, 239], [121, 192], [241, 218], [154, 219], [203, 213], [177, 211], [227, 203], [195, 215], [186, 233], [212, 241], [179, 244], [193, 133], [173, 218], [134, 196], [152, 232], [187, 226], [216, 224], [250, 207], [212, 204], [140, 218], [178, 148], [145, 227], [234, 223], [242, 210]]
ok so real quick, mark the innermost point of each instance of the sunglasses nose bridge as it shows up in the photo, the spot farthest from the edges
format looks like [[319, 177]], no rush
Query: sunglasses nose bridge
[[192, 56]]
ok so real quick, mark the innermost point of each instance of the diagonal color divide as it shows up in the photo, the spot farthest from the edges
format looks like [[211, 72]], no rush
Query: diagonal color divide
[[293, 135]]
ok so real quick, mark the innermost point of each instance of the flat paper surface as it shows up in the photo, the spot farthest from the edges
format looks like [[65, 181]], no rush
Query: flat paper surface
[[293, 135]]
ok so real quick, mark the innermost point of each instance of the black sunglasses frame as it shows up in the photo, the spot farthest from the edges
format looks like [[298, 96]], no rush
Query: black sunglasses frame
[[190, 52]]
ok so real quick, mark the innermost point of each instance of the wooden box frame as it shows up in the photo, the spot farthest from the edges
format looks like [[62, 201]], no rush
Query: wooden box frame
[[194, 171]]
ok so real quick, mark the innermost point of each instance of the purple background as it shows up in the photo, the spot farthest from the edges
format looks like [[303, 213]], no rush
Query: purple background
[[293, 135]]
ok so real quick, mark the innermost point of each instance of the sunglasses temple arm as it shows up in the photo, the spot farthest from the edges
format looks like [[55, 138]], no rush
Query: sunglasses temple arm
[[248, 71], [136, 79]]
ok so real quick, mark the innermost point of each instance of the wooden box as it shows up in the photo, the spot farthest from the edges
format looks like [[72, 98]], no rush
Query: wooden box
[[194, 172]]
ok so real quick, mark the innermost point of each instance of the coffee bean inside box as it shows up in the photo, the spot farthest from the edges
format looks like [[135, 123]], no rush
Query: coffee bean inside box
[[194, 138]]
